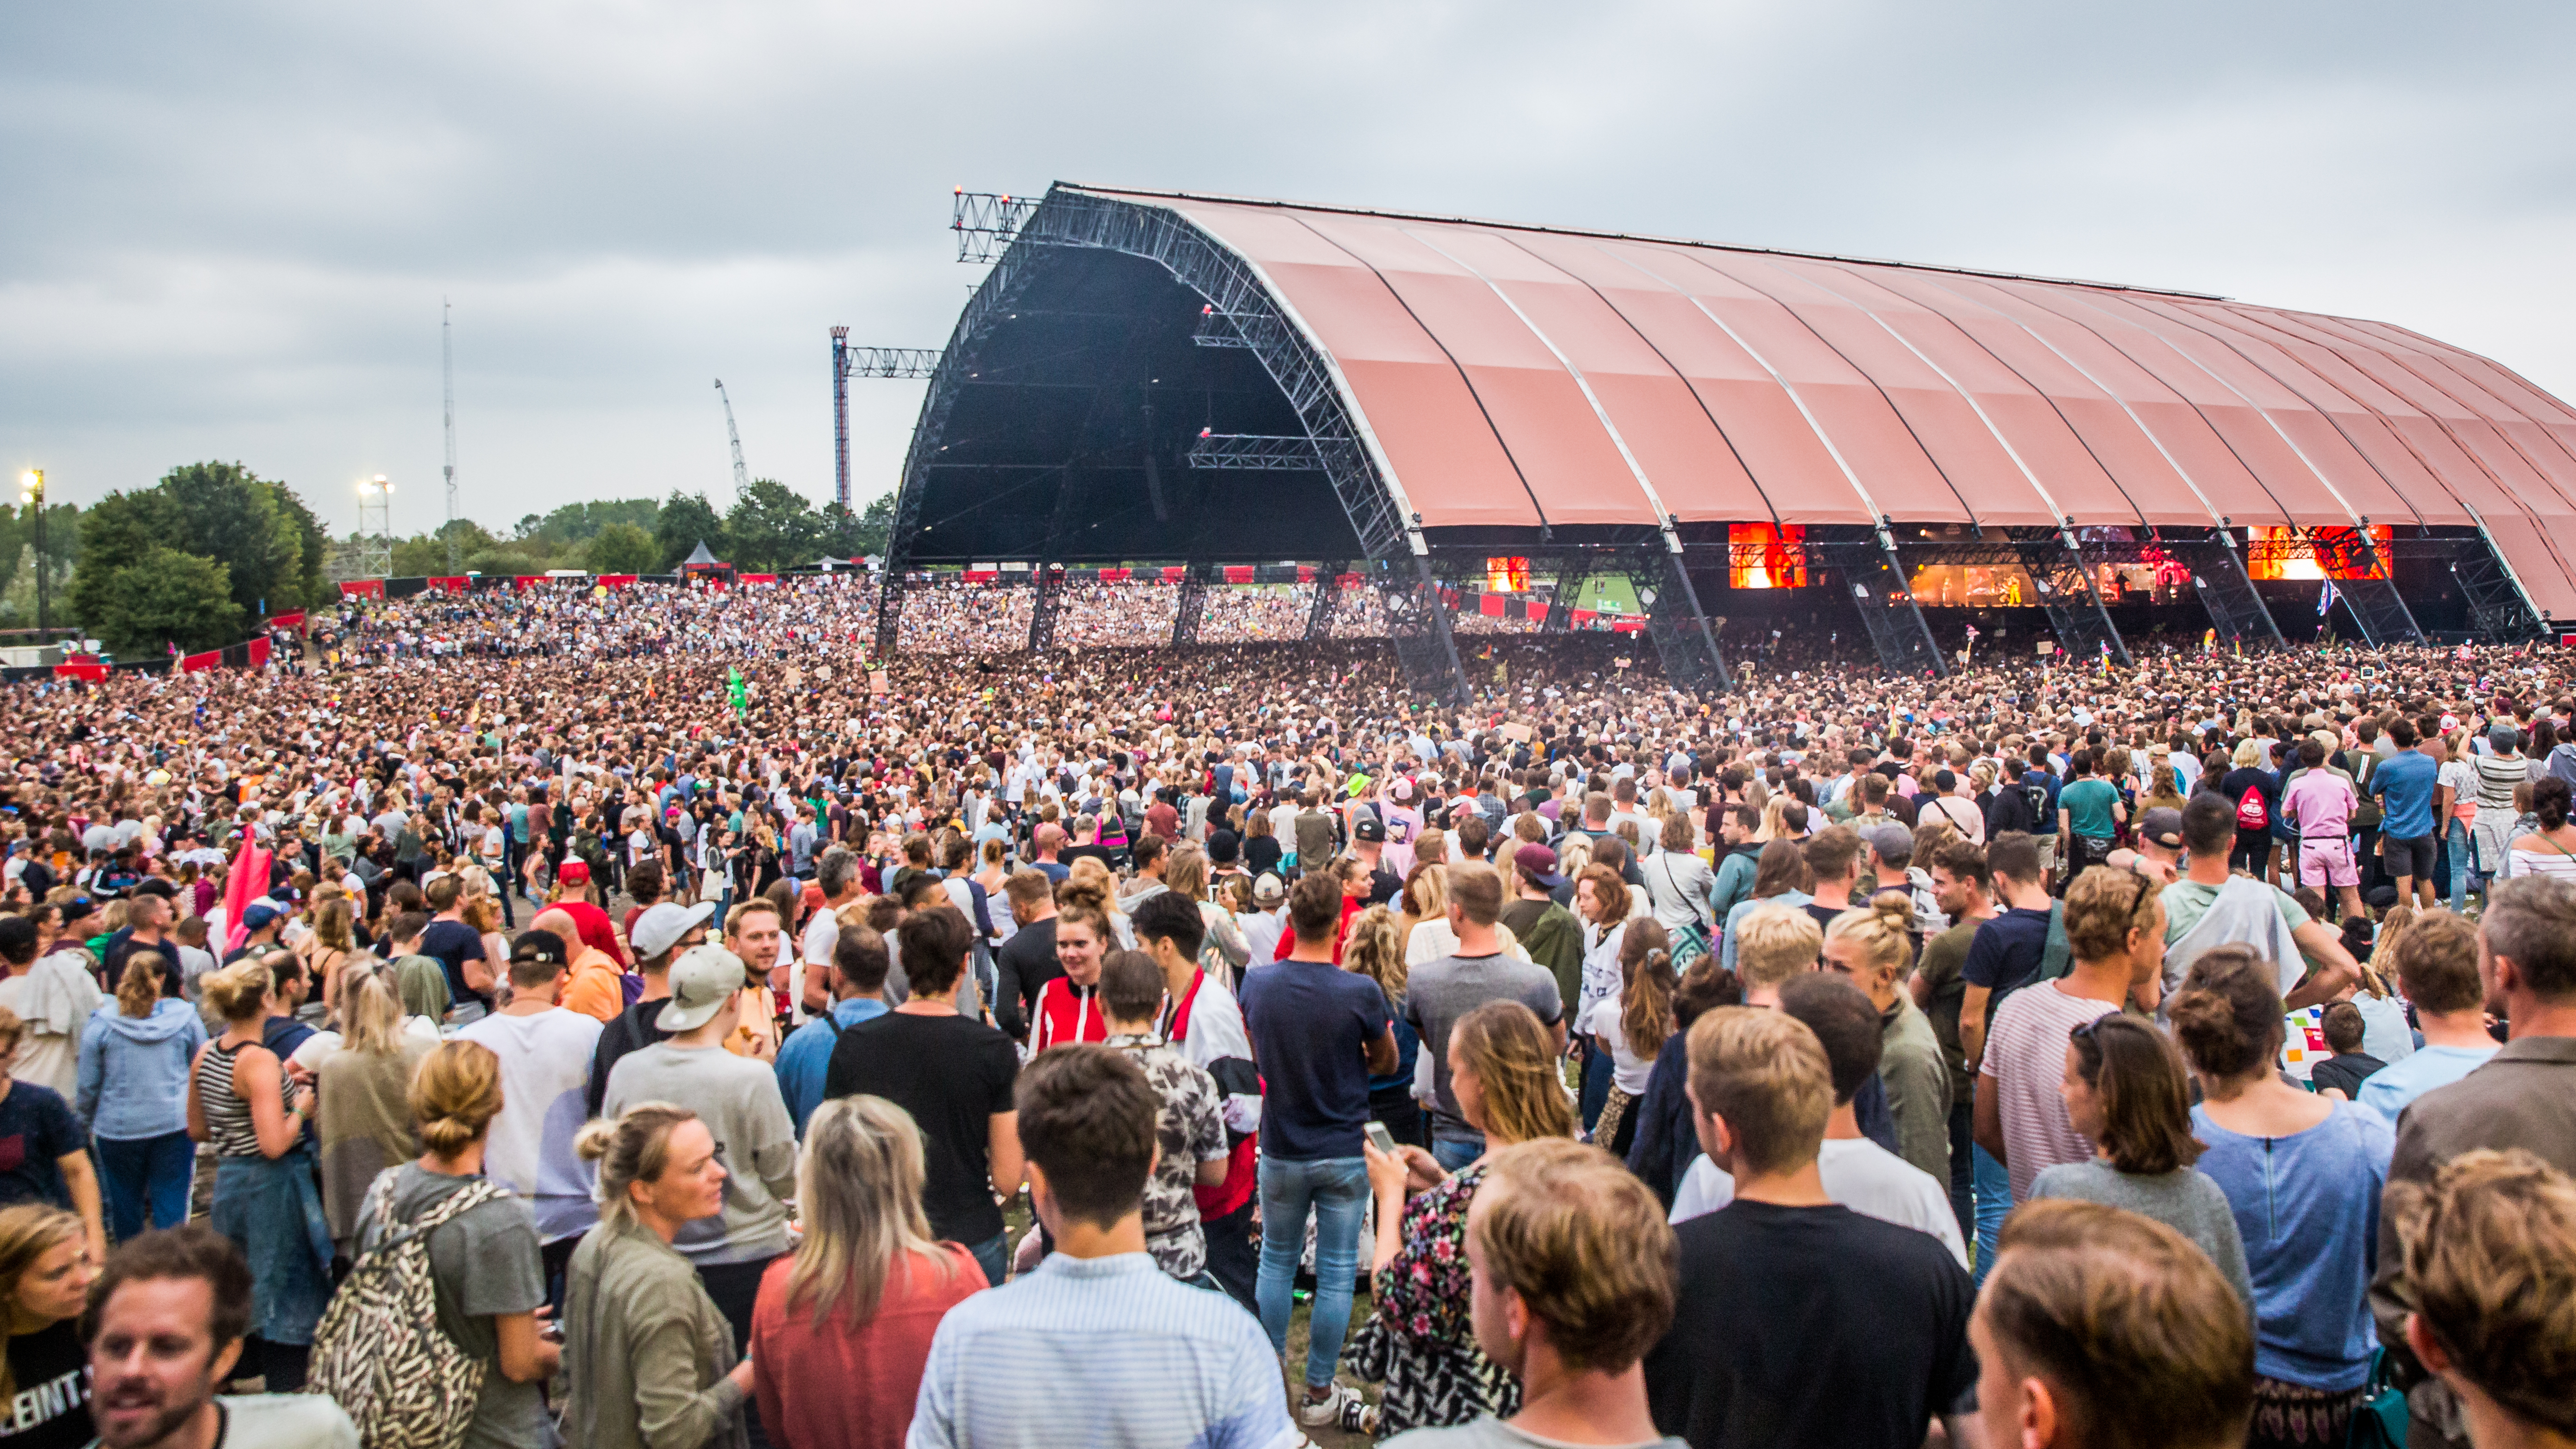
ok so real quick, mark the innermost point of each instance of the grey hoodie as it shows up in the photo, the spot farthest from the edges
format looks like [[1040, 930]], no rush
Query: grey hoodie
[[134, 1070]]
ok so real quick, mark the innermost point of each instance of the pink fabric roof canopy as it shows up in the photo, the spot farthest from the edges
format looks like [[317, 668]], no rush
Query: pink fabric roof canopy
[[1521, 375]]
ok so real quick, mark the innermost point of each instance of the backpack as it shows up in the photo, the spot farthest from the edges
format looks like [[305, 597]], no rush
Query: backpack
[[2251, 812], [379, 1350]]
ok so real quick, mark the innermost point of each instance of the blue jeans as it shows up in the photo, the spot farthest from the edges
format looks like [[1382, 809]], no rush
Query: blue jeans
[[994, 1257], [1963, 1167], [1596, 1085], [1994, 1202], [1454, 1153], [2460, 871], [1336, 1190], [146, 1176]]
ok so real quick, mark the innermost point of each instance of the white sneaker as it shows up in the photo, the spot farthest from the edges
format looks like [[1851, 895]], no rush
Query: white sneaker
[[1343, 1409]]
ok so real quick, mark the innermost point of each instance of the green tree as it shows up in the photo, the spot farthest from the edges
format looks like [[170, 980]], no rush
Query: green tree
[[118, 530], [622, 548], [313, 543], [224, 511], [166, 597], [687, 519], [876, 525], [772, 527]]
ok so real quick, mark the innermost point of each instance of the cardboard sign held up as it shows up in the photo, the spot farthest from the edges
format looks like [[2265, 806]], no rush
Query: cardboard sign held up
[[1518, 734], [877, 681]]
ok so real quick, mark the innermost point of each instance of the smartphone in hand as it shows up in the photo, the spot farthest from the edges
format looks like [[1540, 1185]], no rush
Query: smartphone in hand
[[1380, 1138]]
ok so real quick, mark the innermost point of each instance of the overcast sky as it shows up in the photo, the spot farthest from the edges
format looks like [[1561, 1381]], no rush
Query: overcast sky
[[228, 227]]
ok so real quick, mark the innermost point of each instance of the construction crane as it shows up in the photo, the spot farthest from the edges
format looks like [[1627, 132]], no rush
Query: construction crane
[[741, 475]]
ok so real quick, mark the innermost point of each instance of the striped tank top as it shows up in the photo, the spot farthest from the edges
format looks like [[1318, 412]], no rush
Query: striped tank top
[[228, 1125]]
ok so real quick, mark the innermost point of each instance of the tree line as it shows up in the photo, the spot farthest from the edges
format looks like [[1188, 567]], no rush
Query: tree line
[[199, 558]]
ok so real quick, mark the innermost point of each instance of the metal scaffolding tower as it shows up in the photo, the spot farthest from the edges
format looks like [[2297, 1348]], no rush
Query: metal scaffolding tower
[[447, 384]]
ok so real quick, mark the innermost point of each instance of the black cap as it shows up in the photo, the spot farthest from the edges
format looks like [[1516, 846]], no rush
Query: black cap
[[1366, 826]]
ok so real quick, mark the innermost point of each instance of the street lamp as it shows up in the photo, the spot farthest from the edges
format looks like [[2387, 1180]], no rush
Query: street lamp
[[31, 493]]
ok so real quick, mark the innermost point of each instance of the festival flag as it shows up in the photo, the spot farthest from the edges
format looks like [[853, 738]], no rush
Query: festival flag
[[2326, 598], [247, 883]]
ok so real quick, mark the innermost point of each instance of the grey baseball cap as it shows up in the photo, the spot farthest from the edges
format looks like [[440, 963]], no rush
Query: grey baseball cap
[[702, 981]]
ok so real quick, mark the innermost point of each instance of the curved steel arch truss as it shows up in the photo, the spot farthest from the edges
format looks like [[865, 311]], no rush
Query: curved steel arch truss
[[1398, 559]]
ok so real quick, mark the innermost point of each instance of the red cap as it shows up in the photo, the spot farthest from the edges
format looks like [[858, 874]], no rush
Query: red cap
[[574, 872]]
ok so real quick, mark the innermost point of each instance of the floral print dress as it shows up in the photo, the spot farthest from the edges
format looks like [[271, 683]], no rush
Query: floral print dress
[[1420, 1341]]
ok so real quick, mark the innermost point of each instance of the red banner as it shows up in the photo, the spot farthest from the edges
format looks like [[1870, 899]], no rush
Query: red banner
[[258, 651], [1490, 605], [248, 882], [81, 666], [363, 589], [1347, 581], [287, 621], [1113, 576], [1582, 618], [615, 581], [1628, 626], [755, 578], [195, 662], [1174, 575], [452, 583], [1534, 608], [1238, 575], [973, 576], [1305, 573]]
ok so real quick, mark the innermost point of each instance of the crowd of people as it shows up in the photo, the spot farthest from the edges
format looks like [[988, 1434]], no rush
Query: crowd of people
[[635, 1018], [587, 619]]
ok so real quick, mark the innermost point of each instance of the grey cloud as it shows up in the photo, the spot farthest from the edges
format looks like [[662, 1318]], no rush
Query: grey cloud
[[230, 226]]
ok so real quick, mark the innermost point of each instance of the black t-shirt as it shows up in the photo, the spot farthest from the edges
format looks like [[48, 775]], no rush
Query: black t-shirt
[[1810, 1325], [952, 1075], [2345, 1073], [1023, 967], [627, 1031], [37, 1130], [51, 1369], [1072, 853], [454, 943], [2260, 782], [122, 946]]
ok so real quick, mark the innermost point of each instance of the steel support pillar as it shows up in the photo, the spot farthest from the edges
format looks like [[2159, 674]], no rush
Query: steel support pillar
[[1319, 612], [1683, 639], [2066, 594], [1560, 607], [2499, 608], [2378, 610], [1185, 620], [1868, 567], [1418, 624], [2218, 577]]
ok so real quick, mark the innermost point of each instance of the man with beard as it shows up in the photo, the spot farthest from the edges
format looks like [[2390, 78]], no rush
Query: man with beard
[[165, 1327]]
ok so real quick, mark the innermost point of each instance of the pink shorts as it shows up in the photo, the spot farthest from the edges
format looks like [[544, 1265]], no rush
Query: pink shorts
[[2328, 860]]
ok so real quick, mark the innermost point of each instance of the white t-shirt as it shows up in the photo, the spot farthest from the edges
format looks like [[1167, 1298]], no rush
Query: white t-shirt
[[1859, 1174], [55, 998], [1626, 1070], [545, 1067]]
